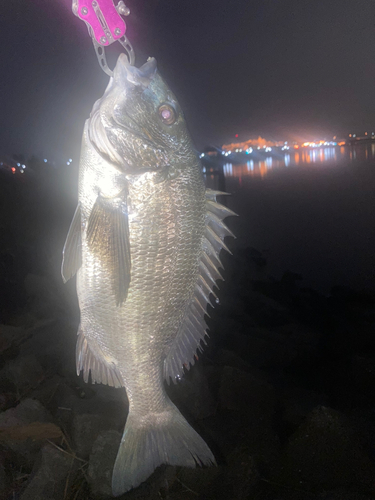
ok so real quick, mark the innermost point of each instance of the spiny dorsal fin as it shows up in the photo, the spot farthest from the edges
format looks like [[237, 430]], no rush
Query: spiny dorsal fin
[[72, 256], [183, 353]]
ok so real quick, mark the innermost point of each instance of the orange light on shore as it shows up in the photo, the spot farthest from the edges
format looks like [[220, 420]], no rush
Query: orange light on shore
[[296, 146]]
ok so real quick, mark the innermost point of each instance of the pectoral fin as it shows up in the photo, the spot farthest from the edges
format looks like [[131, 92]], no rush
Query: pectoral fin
[[108, 238], [72, 257]]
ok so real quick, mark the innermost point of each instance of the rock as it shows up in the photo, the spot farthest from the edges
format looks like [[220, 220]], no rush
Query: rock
[[27, 412], [50, 477], [52, 343], [43, 302], [102, 460], [192, 394], [198, 481], [324, 454], [296, 403], [242, 474], [343, 495], [3, 479], [234, 480], [11, 336], [85, 430], [25, 372], [243, 391]]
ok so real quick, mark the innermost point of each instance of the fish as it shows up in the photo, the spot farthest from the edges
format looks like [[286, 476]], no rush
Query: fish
[[144, 244]]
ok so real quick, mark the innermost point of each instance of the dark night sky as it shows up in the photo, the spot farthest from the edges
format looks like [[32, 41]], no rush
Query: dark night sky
[[268, 67]]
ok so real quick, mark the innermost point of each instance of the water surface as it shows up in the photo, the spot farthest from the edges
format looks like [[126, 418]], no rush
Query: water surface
[[310, 211]]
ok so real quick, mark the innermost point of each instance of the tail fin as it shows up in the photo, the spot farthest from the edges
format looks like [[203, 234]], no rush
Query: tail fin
[[162, 438]]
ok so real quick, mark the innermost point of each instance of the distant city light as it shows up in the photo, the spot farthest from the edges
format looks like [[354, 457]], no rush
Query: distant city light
[[45, 160]]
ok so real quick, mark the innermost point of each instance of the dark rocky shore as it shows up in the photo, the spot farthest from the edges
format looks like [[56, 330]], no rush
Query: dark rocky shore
[[284, 393]]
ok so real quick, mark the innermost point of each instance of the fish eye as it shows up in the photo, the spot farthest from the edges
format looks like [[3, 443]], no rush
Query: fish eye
[[167, 114]]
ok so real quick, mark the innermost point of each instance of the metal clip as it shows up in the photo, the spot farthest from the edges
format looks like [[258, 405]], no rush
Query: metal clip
[[105, 26]]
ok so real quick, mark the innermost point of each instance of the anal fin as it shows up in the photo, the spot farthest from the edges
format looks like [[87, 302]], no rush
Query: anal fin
[[89, 358]]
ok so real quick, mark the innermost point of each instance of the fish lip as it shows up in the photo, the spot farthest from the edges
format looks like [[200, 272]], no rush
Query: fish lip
[[125, 73], [127, 76]]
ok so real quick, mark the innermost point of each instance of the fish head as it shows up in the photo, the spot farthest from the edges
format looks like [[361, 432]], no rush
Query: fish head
[[138, 123]]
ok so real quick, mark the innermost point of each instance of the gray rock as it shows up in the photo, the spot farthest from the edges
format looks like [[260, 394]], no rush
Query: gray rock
[[193, 394], [240, 390], [324, 454], [85, 430], [234, 480], [52, 343], [297, 403], [102, 460], [28, 411], [241, 475], [3, 480], [11, 336], [25, 372], [51, 475], [200, 482], [246, 417], [343, 495]]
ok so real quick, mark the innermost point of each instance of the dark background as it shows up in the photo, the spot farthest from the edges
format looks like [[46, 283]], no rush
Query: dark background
[[282, 69]]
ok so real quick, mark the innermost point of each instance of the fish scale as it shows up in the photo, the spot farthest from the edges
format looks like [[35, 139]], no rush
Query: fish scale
[[144, 242]]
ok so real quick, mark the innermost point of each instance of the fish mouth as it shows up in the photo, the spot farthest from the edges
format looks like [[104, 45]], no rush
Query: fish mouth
[[127, 76], [125, 73]]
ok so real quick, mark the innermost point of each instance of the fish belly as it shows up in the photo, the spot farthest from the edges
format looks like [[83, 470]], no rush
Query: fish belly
[[166, 232]]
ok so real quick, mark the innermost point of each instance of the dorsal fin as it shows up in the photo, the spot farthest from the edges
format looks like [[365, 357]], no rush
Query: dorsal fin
[[183, 353]]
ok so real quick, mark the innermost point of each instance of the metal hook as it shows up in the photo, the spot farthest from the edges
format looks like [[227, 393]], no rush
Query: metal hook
[[105, 25]]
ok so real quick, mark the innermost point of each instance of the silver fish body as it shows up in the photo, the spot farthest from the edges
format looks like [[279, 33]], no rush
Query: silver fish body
[[144, 243]]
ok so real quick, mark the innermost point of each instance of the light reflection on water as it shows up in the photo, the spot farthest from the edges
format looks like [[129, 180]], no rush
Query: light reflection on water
[[260, 167], [311, 211]]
